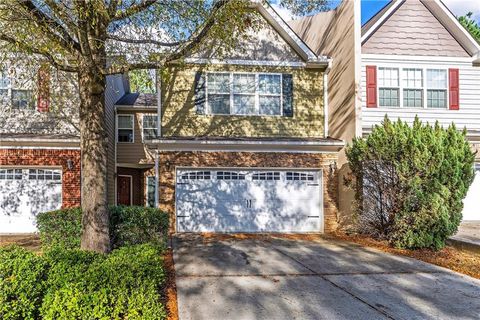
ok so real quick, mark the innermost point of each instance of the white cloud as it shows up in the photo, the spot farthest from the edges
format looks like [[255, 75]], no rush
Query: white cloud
[[461, 7]]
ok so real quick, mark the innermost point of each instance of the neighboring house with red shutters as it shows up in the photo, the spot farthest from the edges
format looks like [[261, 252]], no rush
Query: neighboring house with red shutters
[[417, 60], [412, 58]]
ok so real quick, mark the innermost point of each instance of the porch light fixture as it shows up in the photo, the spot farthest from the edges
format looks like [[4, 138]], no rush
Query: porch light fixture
[[69, 164]]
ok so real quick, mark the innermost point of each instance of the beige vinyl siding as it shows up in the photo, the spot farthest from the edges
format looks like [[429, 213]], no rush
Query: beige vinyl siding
[[332, 34], [413, 30], [179, 117], [136, 152], [115, 90], [468, 116]]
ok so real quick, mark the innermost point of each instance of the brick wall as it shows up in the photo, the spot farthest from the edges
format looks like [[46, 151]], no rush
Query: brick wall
[[168, 161], [50, 157]]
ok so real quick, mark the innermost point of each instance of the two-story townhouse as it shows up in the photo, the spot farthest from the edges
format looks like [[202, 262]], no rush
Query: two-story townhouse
[[234, 144], [411, 59], [39, 141], [237, 143]]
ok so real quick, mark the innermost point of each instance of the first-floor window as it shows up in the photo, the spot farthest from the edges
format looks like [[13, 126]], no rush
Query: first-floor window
[[151, 191], [150, 129], [125, 128], [244, 93]]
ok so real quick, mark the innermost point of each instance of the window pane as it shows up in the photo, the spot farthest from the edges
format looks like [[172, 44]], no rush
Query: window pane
[[125, 122], [436, 79], [243, 83], [269, 84], [437, 98], [270, 105], [412, 78], [149, 134], [219, 103], [412, 98], [150, 121], [218, 83], [388, 97], [244, 104], [125, 135], [22, 99], [388, 77], [4, 80]]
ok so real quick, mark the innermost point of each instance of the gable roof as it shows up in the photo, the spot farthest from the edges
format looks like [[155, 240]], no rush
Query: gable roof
[[439, 11]]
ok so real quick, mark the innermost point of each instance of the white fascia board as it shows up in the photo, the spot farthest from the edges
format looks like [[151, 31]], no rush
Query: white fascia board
[[449, 21], [59, 140], [246, 146], [382, 19], [269, 63], [476, 58], [286, 32]]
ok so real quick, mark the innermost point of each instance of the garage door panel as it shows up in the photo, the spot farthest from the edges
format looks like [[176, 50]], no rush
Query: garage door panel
[[24, 196], [261, 201], [471, 203]]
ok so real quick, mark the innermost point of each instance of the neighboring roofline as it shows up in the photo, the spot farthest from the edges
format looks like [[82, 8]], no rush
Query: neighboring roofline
[[135, 108], [367, 25], [442, 13], [286, 32], [49, 140]]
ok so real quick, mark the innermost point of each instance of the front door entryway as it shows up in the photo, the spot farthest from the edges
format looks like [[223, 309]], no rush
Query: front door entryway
[[124, 190]]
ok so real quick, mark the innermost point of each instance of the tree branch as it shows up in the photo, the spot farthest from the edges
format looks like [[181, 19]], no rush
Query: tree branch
[[145, 41], [134, 10], [196, 39], [41, 18], [54, 62]]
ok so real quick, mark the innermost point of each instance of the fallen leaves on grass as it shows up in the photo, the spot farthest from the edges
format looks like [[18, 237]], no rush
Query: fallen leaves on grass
[[449, 257], [29, 241]]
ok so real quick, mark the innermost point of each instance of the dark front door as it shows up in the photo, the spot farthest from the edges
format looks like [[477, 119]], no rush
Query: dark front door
[[124, 192]]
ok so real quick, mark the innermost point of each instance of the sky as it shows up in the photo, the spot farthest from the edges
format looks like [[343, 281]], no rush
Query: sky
[[370, 7]]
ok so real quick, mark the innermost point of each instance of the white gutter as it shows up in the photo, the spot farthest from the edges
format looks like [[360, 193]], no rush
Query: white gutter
[[476, 57], [325, 97], [246, 142], [73, 140], [159, 104]]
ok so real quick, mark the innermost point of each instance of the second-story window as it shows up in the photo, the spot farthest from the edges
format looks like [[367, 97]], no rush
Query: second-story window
[[244, 93], [125, 128], [388, 87], [150, 130], [437, 88], [14, 93], [412, 88]]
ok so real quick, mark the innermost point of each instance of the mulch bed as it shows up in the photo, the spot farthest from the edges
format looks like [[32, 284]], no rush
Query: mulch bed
[[449, 257], [171, 288]]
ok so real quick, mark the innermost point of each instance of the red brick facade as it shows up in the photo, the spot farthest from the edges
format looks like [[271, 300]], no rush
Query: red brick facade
[[48, 158], [168, 161]]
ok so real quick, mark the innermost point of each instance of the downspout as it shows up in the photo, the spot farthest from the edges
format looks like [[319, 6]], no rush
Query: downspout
[[157, 180], [159, 134], [325, 97], [115, 155]]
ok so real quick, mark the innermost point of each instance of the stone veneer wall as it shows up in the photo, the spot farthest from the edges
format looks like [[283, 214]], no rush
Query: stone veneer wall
[[168, 161], [48, 158]]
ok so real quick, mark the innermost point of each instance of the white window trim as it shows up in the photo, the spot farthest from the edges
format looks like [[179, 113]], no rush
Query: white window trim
[[143, 124], [132, 117], [389, 87], [424, 88], [257, 94], [10, 88]]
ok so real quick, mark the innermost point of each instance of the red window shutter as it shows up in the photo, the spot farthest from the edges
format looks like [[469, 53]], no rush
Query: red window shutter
[[454, 89], [43, 89], [371, 86]]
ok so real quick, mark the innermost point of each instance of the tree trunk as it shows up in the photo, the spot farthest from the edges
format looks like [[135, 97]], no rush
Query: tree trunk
[[93, 143]]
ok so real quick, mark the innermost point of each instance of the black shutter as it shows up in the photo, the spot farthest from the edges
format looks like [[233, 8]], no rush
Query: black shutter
[[287, 103], [200, 92]]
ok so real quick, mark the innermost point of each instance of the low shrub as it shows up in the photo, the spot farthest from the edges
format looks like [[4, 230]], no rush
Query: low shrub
[[128, 225], [410, 181], [75, 284], [22, 283]]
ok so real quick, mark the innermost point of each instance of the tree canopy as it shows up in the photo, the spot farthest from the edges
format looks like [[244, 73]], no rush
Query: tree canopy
[[471, 25]]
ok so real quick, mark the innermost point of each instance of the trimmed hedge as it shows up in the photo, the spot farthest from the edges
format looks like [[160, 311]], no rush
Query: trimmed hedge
[[128, 226], [75, 284]]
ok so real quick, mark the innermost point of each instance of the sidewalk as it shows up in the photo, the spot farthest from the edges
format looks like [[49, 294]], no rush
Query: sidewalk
[[467, 237]]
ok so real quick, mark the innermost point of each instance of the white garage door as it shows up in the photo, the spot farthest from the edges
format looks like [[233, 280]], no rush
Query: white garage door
[[26, 192], [471, 203], [233, 200]]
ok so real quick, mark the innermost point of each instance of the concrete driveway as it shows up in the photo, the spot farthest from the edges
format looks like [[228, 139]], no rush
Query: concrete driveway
[[324, 279]]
